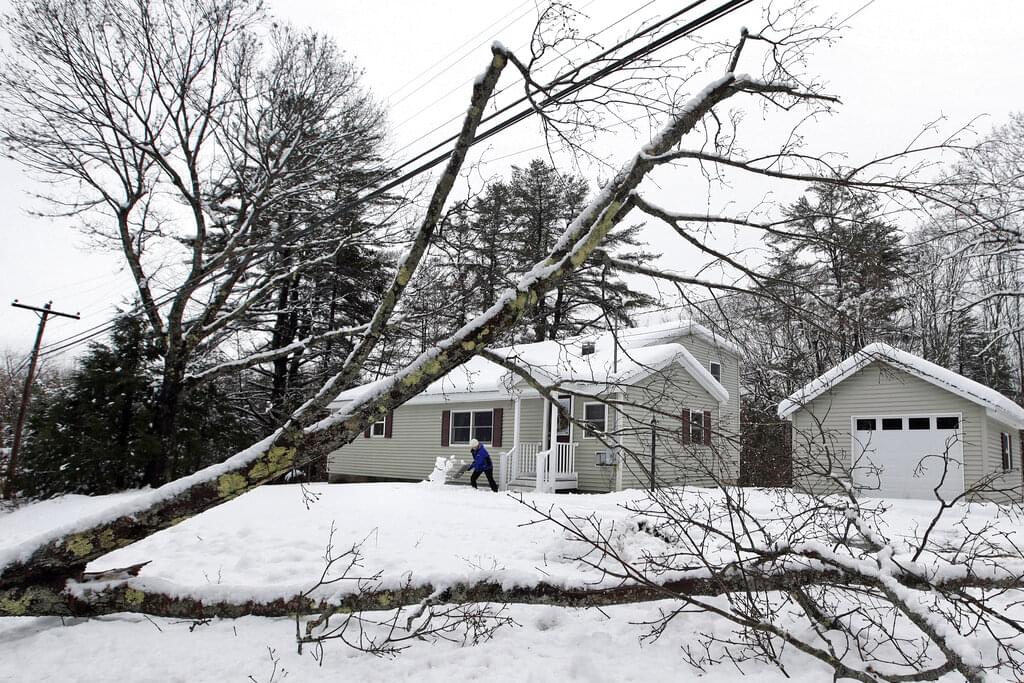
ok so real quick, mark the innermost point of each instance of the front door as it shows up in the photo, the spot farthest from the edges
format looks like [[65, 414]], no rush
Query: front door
[[564, 434]]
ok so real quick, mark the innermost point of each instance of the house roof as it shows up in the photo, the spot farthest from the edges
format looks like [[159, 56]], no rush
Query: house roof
[[639, 352], [997, 405]]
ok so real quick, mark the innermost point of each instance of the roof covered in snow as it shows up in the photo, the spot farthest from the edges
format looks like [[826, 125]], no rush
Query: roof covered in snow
[[998, 406], [621, 358]]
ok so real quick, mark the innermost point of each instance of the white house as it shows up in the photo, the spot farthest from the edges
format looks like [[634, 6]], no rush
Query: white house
[[610, 382], [903, 427]]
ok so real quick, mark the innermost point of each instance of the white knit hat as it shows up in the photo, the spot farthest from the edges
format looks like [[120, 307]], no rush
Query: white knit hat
[[474, 443]]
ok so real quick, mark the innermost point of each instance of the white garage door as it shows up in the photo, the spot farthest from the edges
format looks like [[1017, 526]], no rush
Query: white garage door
[[906, 456]]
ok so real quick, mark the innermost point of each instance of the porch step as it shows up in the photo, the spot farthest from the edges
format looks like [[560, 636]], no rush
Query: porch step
[[524, 484]]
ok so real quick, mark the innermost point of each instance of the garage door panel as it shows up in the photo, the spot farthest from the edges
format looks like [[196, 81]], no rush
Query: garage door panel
[[908, 456]]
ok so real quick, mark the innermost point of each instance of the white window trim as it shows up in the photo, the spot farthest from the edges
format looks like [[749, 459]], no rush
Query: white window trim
[[383, 429], [472, 427], [586, 433]]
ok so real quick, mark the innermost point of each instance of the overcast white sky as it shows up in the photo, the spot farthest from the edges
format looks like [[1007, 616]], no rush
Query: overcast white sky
[[900, 64]]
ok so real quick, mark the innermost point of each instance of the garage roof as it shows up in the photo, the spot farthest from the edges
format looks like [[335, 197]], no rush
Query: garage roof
[[999, 406]]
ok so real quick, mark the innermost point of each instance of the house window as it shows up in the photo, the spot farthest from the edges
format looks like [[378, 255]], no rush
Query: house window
[[716, 371], [947, 423], [892, 423], [919, 423], [378, 428], [696, 426], [587, 348], [476, 424], [1006, 444], [866, 425], [596, 417]]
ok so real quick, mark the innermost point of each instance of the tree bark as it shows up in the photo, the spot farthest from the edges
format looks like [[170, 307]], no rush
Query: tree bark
[[110, 599]]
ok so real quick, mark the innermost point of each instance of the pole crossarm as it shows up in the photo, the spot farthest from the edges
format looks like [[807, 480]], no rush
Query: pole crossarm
[[46, 310]]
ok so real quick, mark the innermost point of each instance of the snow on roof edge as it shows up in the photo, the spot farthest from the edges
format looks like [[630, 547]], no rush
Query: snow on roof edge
[[934, 374], [661, 355]]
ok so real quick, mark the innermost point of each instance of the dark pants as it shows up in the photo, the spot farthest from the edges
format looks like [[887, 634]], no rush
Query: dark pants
[[490, 479]]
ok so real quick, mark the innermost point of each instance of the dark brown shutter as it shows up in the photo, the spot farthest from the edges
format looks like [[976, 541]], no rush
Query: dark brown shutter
[[446, 424], [707, 427], [388, 421], [366, 434], [686, 425], [496, 426]]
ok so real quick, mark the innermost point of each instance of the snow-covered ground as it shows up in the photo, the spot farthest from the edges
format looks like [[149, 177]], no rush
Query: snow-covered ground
[[269, 543]]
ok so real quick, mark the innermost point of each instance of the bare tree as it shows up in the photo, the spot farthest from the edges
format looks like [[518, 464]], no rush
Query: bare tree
[[205, 156]]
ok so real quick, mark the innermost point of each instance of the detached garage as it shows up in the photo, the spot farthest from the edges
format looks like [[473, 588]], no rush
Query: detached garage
[[898, 426]]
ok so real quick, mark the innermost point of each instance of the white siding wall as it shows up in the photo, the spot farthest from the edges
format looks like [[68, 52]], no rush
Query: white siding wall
[[671, 392], [729, 424], [415, 443]]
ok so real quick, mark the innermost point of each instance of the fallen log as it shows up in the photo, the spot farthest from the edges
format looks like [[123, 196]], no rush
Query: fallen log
[[91, 600]]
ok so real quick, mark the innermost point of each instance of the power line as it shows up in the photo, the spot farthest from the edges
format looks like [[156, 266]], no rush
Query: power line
[[468, 53], [574, 71], [84, 336], [464, 83], [676, 34]]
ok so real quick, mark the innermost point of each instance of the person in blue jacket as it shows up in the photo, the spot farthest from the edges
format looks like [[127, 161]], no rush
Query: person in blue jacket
[[481, 464]]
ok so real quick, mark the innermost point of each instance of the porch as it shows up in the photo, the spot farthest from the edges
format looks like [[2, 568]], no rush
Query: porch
[[536, 465]]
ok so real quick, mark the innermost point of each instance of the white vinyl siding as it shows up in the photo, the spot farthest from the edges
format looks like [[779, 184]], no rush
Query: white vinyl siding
[[415, 443]]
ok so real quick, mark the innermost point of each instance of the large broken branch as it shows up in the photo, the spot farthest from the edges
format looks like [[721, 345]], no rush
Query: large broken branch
[[159, 599], [60, 555]]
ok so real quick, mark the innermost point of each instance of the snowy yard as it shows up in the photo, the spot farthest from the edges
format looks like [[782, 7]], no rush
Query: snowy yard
[[268, 544]]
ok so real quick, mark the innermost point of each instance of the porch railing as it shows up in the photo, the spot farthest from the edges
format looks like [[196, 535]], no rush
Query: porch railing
[[528, 461]]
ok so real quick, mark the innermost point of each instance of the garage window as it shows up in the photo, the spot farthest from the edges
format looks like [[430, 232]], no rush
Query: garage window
[[867, 425], [892, 423], [947, 423], [1007, 448], [919, 423]]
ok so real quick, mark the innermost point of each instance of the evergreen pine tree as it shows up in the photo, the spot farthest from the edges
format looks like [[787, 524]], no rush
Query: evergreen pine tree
[[95, 435]]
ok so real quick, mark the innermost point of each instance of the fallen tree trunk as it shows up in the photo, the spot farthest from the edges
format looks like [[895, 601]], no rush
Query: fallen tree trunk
[[83, 600], [44, 564]]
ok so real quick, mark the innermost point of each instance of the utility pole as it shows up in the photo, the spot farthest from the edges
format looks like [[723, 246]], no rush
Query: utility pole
[[43, 313]]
